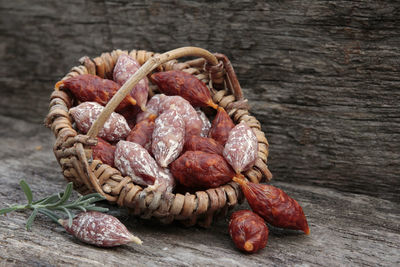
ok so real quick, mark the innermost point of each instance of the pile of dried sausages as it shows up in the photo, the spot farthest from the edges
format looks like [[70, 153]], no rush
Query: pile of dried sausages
[[168, 140]]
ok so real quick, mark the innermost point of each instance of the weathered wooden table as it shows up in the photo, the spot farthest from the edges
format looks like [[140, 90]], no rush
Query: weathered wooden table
[[322, 77]]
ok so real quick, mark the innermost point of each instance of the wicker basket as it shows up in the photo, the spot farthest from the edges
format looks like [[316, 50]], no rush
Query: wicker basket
[[73, 150]]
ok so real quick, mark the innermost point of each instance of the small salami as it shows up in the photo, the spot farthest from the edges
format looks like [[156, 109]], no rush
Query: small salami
[[206, 123], [180, 83], [248, 231], [142, 132], [92, 88], [274, 205], [192, 121], [205, 144], [221, 126], [125, 67], [168, 137], [201, 170], [133, 160], [104, 151], [99, 229], [86, 113], [241, 148], [152, 107]]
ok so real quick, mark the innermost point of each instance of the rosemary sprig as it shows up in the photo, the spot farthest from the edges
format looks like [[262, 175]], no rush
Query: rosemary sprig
[[49, 206]]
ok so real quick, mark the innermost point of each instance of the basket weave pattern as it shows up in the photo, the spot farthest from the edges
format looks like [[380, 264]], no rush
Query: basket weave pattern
[[73, 150]]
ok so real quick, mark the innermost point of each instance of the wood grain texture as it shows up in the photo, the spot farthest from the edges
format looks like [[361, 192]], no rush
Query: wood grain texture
[[322, 77], [346, 228]]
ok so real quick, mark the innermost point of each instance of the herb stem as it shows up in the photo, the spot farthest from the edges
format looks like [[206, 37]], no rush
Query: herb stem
[[56, 202]]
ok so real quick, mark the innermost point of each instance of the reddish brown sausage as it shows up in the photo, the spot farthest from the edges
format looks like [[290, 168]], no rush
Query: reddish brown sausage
[[205, 144], [221, 126], [274, 205], [87, 87], [197, 169], [248, 231], [104, 151], [142, 132], [180, 83]]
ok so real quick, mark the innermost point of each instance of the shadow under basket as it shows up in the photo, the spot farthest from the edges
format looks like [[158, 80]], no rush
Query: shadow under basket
[[74, 154]]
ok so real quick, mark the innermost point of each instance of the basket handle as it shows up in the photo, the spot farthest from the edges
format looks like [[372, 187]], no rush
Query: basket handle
[[146, 68], [232, 80]]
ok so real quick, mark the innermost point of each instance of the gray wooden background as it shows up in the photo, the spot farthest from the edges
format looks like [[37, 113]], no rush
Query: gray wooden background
[[321, 76]]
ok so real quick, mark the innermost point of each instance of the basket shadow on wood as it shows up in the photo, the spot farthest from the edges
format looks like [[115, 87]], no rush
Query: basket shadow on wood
[[74, 154]]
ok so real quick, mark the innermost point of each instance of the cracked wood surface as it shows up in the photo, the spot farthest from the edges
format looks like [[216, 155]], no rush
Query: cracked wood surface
[[321, 76]]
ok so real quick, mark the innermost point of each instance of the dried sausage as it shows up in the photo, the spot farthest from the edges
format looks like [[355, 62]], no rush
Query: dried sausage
[[168, 137], [180, 83], [125, 67], [274, 205], [201, 170], [99, 229], [114, 129], [241, 148], [104, 151], [192, 121], [248, 231], [92, 88], [142, 132], [133, 160], [221, 126], [205, 144]]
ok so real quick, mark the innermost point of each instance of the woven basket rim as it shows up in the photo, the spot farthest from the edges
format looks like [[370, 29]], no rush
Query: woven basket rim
[[73, 150]]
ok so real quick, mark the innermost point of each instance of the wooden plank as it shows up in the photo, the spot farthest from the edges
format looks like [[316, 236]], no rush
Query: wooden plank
[[346, 228]]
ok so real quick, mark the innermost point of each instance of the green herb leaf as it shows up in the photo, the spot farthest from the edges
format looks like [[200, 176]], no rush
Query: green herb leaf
[[50, 214], [70, 216], [30, 219], [9, 209], [100, 209], [27, 191], [82, 208], [64, 197], [46, 200]]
